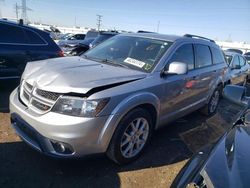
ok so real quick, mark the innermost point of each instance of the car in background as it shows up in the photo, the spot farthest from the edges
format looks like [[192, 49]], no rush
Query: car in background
[[247, 56], [91, 42], [20, 44], [71, 41], [80, 48], [226, 163], [102, 37], [239, 69], [112, 98], [234, 50]]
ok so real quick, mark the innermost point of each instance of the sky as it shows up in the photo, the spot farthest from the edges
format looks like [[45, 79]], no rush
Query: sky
[[217, 19]]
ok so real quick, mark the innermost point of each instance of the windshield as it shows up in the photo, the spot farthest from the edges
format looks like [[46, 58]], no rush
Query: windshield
[[135, 53], [101, 38]]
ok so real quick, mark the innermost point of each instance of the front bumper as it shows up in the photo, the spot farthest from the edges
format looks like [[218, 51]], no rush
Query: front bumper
[[85, 136]]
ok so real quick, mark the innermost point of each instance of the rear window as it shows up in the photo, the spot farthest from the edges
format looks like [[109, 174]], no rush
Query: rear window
[[217, 56], [12, 34], [203, 56], [34, 38]]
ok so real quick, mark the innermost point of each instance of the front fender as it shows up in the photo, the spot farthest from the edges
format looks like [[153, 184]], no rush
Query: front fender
[[121, 110]]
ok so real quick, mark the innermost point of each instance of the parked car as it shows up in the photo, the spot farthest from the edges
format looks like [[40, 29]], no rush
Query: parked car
[[102, 37], [19, 44], [239, 69], [72, 40], [234, 50], [91, 42], [81, 48], [226, 164], [247, 56], [110, 99]]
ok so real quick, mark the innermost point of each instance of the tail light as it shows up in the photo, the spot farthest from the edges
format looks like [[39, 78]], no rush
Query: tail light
[[60, 53]]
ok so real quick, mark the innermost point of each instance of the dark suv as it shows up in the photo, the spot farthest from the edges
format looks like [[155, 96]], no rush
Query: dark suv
[[20, 44]]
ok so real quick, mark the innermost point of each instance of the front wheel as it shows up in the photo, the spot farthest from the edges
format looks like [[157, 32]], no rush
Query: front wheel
[[131, 136]]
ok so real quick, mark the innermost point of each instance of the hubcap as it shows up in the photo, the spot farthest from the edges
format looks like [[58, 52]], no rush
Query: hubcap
[[214, 101], [134, 137]]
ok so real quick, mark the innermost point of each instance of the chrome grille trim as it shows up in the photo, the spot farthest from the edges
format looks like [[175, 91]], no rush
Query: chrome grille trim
[[38, 100]]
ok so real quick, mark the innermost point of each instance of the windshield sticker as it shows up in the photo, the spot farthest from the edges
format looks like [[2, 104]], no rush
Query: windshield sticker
[[134, 62]]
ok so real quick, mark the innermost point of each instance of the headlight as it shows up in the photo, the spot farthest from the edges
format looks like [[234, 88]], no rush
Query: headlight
[[76, 106]]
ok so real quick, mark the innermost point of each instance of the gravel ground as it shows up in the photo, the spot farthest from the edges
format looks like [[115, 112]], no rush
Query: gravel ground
[[169, 150]]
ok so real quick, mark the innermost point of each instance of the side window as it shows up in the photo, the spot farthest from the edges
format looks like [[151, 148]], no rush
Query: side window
[[12, 34], [184, 54], [242, 61], [33, 37], [235, 61], [217, 56], [203, 56]]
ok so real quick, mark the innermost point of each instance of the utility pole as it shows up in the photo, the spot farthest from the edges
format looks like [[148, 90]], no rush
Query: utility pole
[[16, 10], [158, 26], [0, 8], [24, 10], [99, 21]]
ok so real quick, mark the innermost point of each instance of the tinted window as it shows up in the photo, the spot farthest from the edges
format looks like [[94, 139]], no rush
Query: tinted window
[[33, 37], [217, 56], [235, 62], [184, 54], [79, 37], [242, 61], [203, 56], [12, 34], [229, 58]]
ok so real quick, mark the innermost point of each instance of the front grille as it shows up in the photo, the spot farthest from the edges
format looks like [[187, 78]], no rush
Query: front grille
[[36, 99], [39, 105], [28, 86], [47, 94], [26, 95]]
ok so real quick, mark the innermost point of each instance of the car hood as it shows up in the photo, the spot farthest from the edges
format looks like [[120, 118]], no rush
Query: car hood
[[76, 75], [229, 164]]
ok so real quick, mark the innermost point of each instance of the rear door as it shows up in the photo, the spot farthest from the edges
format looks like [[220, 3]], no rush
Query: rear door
[[13, 45], [206, 71], [244, 68], [236, 73]]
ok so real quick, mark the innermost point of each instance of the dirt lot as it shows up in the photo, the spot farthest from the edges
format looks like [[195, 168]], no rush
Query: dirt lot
[[169, 150]]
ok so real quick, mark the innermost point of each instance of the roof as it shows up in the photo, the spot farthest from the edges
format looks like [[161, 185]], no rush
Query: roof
[[158, 36], [20, 25]]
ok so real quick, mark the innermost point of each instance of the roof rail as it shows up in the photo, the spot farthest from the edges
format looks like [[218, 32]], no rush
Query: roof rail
[[199, 37]]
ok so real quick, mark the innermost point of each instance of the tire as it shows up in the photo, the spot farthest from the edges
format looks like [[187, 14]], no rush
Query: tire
[[119, 149], [211, 107]]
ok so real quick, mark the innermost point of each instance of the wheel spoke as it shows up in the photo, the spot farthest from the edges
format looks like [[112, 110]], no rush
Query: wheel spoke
[[125, 142], [128, 148], [138, 124], [133, 127]]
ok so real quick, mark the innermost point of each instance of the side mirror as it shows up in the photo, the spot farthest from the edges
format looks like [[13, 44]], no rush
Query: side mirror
[[235, 94], [176, 68]]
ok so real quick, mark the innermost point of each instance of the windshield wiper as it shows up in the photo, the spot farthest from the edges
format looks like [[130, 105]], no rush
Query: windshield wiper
[[106, 61]]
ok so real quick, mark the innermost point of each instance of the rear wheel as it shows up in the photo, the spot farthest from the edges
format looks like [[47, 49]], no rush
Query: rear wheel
[[212, 105], [131, 136]]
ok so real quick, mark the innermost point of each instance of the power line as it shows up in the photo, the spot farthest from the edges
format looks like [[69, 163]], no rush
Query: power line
[[99, 21]]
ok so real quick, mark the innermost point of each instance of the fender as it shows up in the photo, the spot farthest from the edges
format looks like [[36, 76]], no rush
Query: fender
[[122, 109], [217, 82]]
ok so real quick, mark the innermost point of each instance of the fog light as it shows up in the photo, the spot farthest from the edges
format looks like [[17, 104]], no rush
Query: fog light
[[62, 148]]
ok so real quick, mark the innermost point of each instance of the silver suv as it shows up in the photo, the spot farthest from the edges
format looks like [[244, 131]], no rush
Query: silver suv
[[113, 97]]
